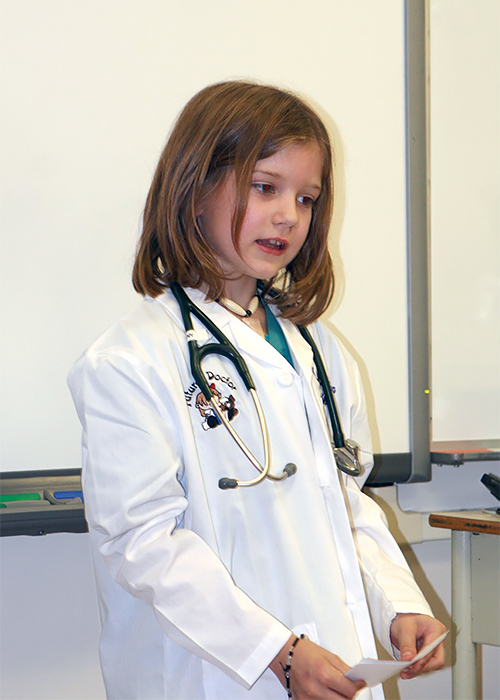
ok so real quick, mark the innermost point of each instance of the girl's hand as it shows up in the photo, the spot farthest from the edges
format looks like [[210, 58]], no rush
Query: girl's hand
[[316, 674], [409, 633]]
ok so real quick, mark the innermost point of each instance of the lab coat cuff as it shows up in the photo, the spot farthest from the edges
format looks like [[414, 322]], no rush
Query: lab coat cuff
[[410, 608], [258, 662]]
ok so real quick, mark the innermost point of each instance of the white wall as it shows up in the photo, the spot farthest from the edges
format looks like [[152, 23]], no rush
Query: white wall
[[49, 619]]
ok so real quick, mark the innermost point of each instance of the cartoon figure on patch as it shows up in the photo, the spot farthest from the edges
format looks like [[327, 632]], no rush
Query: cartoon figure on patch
[[230, 407], [210, 419]]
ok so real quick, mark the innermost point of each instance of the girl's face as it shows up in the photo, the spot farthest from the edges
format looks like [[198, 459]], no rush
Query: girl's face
[[278, 215]]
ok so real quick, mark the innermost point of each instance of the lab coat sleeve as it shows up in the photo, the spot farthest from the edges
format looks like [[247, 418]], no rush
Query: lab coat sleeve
[[389, 583], [135, 500]]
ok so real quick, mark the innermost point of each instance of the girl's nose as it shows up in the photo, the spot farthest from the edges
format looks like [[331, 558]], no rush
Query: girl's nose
[[286, 212]]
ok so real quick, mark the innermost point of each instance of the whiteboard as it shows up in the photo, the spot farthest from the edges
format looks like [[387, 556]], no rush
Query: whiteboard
[[464, 51], [89, 90]]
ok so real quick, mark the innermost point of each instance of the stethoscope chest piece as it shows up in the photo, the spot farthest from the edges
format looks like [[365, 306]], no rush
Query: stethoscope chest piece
[[348, 458]]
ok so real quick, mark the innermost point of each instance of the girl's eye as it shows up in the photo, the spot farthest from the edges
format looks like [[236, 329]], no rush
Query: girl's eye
[[263, 187], [306, 200]]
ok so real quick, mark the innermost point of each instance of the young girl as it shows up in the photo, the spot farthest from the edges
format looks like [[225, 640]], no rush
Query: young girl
[[207, 592]]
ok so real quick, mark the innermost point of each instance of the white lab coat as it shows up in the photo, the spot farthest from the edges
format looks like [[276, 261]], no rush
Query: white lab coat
[[199, 588]]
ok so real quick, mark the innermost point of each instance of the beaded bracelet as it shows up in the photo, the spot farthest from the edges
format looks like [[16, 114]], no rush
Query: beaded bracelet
[[287, 668]]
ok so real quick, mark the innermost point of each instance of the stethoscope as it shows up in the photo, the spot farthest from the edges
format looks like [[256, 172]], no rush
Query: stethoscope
[[346, 451]]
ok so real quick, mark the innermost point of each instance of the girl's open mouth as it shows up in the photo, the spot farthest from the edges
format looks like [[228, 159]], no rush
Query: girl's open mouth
[[273, 245]]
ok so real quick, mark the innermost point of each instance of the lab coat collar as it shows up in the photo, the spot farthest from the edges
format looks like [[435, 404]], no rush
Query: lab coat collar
[[217, 314], [244, 337], [258, 348]]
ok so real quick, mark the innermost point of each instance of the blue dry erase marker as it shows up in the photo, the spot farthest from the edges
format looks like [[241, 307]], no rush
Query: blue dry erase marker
[[68, 494]]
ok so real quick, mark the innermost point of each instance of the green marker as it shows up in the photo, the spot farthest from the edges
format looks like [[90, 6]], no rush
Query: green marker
[[9, 497]]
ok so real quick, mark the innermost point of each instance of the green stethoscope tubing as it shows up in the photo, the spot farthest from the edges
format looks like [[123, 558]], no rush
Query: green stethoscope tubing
[[346, 452]]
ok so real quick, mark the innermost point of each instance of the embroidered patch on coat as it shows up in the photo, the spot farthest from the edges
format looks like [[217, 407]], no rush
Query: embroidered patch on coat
[[226, 403]]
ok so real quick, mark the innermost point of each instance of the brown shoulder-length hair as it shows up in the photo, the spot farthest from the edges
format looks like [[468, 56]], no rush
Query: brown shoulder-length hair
[[228, 127]]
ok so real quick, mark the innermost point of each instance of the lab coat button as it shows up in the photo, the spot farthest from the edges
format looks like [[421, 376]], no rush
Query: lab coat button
[[285, 378]]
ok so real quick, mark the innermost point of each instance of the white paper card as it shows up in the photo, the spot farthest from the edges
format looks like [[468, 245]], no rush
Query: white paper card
[[373, 671]]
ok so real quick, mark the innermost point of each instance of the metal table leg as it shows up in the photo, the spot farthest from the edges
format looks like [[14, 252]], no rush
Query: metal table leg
[[464, 672]]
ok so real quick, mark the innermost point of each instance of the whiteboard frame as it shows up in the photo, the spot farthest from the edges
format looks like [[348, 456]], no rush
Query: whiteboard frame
[[418, 239], [414, 466]]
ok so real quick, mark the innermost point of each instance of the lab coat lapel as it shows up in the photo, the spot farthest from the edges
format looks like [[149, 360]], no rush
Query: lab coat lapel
[[254, 345], [249, 343], [301, 351]]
